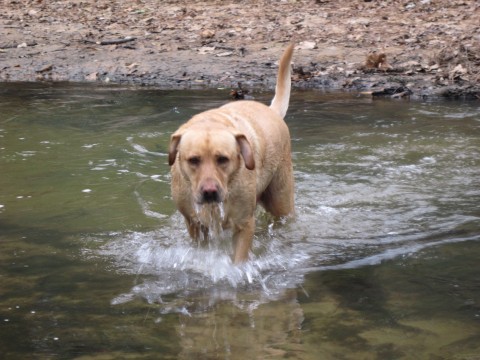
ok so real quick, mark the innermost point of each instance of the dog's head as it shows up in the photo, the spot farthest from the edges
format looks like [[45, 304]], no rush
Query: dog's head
[[208, 159]]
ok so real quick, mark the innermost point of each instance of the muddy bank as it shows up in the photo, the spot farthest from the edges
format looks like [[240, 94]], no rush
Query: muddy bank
[[388, 48]]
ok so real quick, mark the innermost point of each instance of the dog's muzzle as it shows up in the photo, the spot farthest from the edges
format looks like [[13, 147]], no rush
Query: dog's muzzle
[[210, 192]]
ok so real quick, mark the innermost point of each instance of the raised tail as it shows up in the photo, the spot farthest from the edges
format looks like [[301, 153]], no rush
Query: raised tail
[[284, 83]]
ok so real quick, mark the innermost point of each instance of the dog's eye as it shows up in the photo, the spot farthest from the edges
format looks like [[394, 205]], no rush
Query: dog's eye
[[222, 160], [194, 160]]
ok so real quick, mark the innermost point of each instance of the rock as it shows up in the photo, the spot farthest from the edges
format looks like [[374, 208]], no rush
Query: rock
[[306, 45], [207, 34]]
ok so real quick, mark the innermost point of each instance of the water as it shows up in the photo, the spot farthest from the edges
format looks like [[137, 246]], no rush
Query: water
[[381, 260]]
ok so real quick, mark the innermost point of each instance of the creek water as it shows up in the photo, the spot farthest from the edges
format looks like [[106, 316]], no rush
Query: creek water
[[381, 261]]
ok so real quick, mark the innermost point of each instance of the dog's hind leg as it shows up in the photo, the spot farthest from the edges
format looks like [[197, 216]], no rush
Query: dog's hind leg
[[278, 197]]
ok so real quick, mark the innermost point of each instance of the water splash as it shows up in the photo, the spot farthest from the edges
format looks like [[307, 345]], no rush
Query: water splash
[[212, 216], [167, 262]]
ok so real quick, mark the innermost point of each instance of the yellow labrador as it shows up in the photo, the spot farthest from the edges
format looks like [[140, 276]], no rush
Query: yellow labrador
[[226, 160]]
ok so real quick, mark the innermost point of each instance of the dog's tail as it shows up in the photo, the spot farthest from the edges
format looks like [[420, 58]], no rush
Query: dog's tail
[[284, 83]]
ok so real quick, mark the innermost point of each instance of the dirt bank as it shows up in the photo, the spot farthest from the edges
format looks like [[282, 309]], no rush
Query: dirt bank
[[431, 47]]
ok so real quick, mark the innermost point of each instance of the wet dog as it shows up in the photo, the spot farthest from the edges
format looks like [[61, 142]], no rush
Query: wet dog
[[226, 160]]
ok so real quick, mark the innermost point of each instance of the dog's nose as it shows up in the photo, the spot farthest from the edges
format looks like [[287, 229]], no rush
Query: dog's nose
[[210, 192]]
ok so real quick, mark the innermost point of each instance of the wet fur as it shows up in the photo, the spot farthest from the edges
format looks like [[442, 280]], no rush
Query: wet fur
[[238, 155]]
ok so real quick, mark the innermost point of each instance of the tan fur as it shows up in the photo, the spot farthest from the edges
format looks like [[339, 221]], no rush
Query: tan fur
[[234, 156]]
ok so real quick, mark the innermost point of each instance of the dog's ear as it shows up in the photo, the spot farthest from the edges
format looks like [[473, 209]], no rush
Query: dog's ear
[[246, 151], [172, 150]]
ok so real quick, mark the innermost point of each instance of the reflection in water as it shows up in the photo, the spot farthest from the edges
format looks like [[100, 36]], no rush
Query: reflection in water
[[380, 261]]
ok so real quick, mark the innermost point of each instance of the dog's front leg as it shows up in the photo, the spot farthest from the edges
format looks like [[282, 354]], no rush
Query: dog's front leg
[[242, 240], [197, 232]]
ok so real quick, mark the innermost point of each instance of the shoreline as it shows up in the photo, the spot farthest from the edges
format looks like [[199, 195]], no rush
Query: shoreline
[[378, 48]]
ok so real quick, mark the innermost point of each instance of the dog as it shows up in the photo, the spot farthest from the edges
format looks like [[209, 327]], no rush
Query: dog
[[226, 160]]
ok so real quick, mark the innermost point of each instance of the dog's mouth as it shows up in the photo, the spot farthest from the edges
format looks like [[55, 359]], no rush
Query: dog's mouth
[[211, 217]]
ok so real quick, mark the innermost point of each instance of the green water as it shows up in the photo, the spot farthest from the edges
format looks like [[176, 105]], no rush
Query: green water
[[382, 261]]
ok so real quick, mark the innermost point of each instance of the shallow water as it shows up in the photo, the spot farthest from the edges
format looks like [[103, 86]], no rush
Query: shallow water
[[381, 260]]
